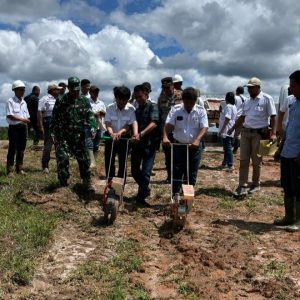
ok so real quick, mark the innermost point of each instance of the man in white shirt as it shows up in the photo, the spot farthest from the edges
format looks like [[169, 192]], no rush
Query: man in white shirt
[[189, 124], [99, 110], [257, 111], [239, 101], [17, 117], [85, 86], [44, 115], [227, 119], [120, 116]]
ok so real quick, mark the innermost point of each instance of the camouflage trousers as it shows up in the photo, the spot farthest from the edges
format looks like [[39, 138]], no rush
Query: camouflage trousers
[[63, 151]]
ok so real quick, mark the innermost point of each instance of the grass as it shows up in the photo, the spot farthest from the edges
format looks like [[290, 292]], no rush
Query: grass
[[3, 133], [114, 275], [187, 291], [25, 231], [226, 203], [275, 269]]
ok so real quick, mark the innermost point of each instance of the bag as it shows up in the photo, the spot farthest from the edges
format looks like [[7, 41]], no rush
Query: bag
[[267, 148]]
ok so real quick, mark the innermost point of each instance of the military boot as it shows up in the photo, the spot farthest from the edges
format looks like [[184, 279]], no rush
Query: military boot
[[19, 170], [296, 225], [10, 171], [290, 213], [88, 185]]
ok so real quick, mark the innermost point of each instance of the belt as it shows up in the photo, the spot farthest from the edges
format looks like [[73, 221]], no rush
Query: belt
[[178, 142], [17, 125], [256, 130]]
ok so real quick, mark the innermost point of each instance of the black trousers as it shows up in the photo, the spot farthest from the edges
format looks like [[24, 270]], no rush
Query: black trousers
[[290, 177], [17, 136], [119, 149], [180, 166]]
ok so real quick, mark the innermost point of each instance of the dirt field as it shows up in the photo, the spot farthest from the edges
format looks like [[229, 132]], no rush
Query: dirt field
[[229, 249]]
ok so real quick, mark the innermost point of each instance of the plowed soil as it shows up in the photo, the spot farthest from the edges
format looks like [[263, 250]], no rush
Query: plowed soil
[[228, 248]]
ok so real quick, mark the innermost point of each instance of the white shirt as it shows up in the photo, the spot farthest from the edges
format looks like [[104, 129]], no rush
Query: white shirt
[[229, 112], [98, 106], [239, 101], [86, 95], [187, 125], [18, 108], [119, 118], [46, 105], [257, 111], [288, 101]]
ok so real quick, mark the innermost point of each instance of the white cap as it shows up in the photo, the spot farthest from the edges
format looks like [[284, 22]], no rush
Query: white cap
[[53, 86], [18, 84], [254, 81], [177, 78]]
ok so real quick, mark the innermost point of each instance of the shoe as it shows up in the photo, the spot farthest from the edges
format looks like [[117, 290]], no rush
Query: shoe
[[241, 191], [290, 213], [88, 186], [231, 168], [10, 174], [46, 171], [148, 193], [296, 225], [283, 221], [253, 189], [63, 182], [141, 195], [10, 171], [21, 172], [142, 202]]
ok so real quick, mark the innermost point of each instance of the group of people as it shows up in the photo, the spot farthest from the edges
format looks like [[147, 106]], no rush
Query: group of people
[[75, 121]]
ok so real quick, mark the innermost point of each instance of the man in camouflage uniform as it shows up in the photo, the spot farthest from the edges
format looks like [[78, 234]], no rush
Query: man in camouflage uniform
[[70, 114], [167, 99]]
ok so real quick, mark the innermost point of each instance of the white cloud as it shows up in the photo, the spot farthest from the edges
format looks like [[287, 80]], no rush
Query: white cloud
[[223, 43], [50, 49], [230, 38]]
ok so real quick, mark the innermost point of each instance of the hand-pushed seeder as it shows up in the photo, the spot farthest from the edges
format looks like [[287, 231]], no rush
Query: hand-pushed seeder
[[112, 197], [182, 202]]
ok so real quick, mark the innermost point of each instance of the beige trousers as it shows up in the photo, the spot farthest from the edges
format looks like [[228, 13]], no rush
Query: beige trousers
[[249, 149]]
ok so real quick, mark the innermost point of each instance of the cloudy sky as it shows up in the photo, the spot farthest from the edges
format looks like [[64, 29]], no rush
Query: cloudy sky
[[215, 45]]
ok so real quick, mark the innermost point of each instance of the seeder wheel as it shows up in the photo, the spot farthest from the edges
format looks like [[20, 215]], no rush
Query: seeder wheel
[[111, 211], [179, 223]]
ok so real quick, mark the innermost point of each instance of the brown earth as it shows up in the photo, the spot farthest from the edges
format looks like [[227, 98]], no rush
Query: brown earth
[[228, 249]]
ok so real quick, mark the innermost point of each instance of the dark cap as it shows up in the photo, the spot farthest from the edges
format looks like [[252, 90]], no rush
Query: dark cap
[[94, 88], [147, 85], [62, 84], [74, 83], [230, 98], [240, 90], [166, 81]]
